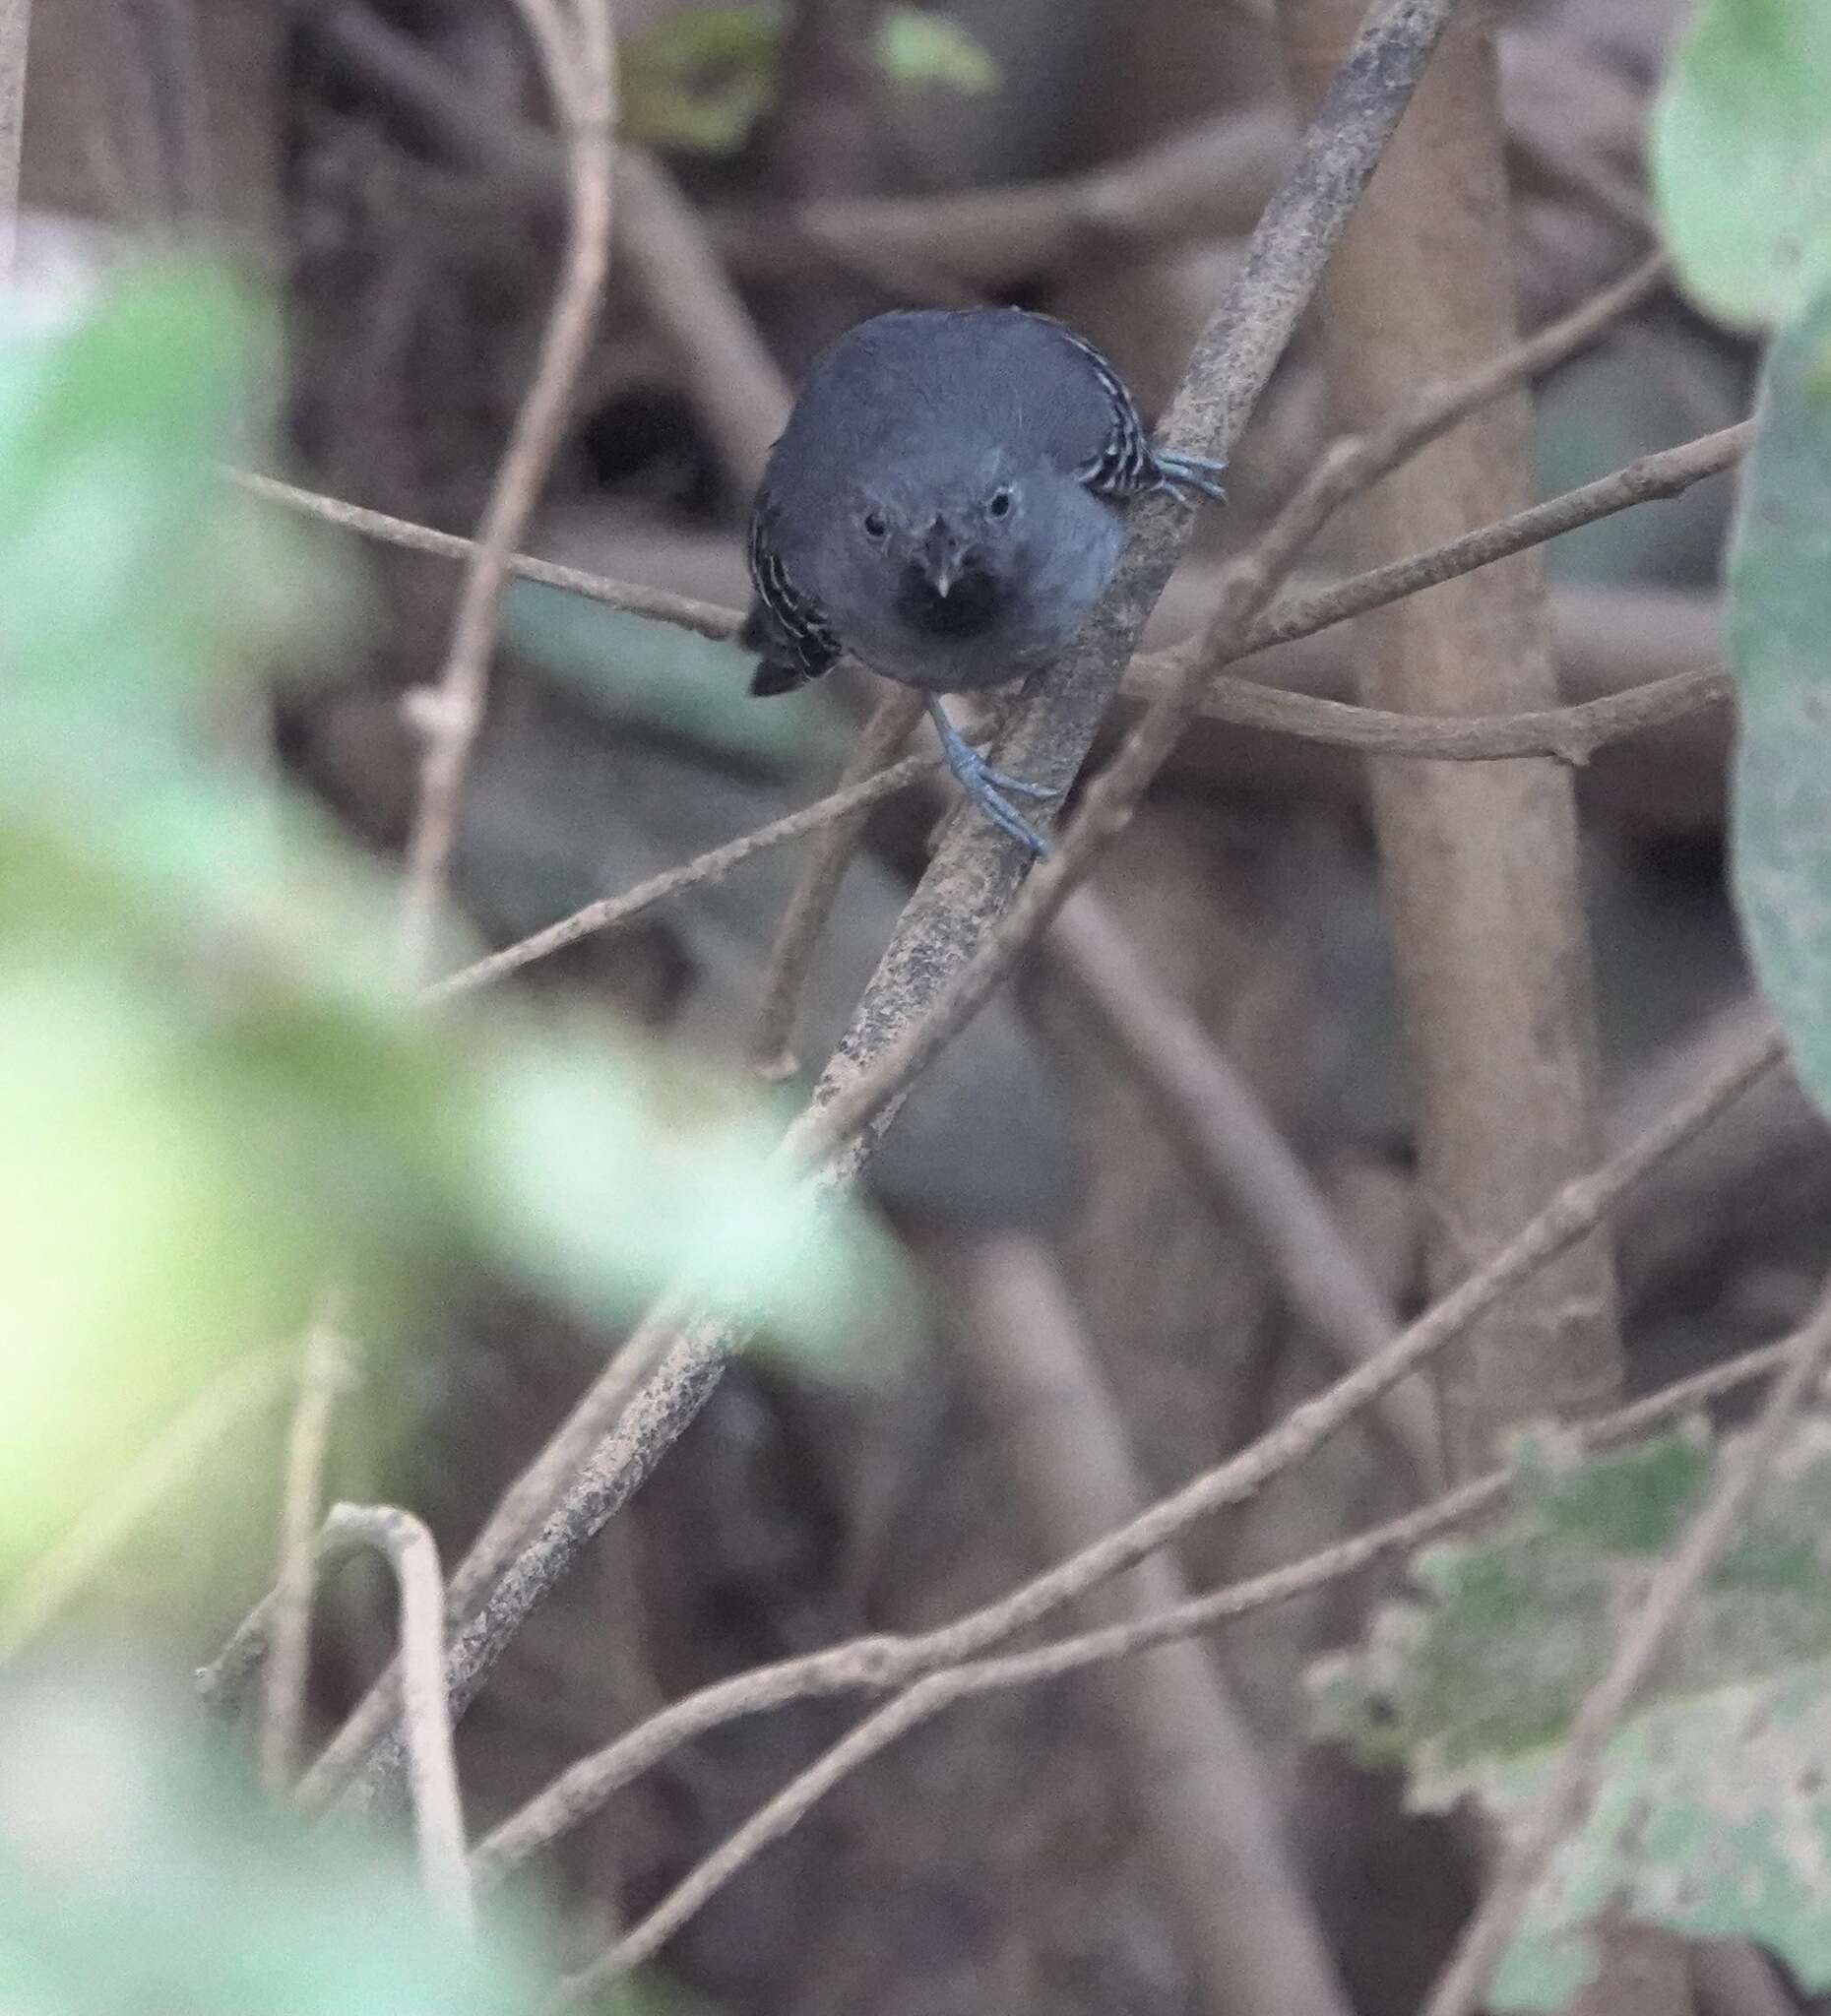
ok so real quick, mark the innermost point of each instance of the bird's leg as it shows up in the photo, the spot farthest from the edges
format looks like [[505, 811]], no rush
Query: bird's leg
[[986, 786], [1199, 472]]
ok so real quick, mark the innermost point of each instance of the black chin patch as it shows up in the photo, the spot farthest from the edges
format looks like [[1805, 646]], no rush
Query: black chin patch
[[968, 608]]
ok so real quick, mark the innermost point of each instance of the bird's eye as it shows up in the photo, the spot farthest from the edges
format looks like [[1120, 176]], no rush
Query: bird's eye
[[876, 526], [998, 504]]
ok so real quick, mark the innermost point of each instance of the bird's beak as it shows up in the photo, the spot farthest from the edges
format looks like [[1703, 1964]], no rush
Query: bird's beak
[[943, 556]]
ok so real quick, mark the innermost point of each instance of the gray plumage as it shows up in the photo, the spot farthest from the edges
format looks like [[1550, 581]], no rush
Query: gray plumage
[[947, 504]]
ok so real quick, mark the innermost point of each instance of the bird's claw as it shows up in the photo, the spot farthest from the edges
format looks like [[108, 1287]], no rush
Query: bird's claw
[[985, 786], [1184, 473]]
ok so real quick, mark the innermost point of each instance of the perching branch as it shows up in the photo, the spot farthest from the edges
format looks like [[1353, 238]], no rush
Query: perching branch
[[853, 1105]]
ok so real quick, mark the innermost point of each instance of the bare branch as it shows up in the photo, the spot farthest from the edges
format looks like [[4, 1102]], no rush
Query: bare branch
[[580, 71], [1567, 1799], [1665, 474], [613, 911], [438, 1811], [704, 620]]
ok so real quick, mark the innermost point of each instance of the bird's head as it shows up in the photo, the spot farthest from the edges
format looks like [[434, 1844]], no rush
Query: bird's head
[[948, 542]]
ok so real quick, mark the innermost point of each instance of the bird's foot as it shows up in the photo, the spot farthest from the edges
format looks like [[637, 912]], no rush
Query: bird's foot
[[986, 786], [1184, 472]]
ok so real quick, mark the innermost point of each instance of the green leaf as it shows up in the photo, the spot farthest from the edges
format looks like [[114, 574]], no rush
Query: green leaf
[[128, 569], [140, 1873], [1714, 1813], [1779, 633], [700, 78], [915, 48], [1741, 157]]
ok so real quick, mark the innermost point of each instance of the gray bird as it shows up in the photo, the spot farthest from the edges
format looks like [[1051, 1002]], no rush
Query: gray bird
[[946, 503]]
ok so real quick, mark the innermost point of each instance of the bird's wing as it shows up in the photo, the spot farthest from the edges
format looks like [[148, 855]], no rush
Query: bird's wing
[[786, 626]]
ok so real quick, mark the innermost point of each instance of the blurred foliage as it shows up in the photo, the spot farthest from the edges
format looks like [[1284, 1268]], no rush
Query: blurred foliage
[[219, 1097], [140, 1873], [1779, 630], [1741, 157], [700, 78], [1714, 1812]]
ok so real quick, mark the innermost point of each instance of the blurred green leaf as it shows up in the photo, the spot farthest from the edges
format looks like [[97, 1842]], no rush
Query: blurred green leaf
[[699, 78], [1741, 157], [1714, 1815], [915, 48], [140, 1874], [608, 1173], [218, 1100], [131, 576], [1779, 625]]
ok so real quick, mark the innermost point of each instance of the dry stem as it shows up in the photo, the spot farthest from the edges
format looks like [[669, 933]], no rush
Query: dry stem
[[580, 70], [438, 1811]]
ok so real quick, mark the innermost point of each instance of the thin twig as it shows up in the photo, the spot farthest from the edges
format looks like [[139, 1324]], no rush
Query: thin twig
[[737, 386], [612, 912], [324, 1371], [798, 936], [703, 620], [883, 1662], [580, 70], [939, 1689], [58, 1577], [1570, 1792], [438, 1810], [1665, 472], [1572, 734]]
